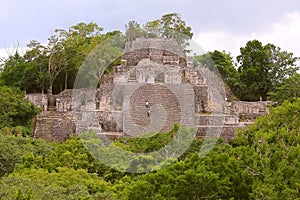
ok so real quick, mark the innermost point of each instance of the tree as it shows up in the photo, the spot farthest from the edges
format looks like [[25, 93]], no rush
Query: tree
[[27, 72], [13, 150], [262, 68], [174, 26], [106, 54], [289, 89], [12, 73], [133, 30], [15, 110], [37, 61], [269, 150], [57, 58], [64, 183], [152, 28], [82, 31], [223, 63], [282, 64], [78, 42], [53, 67], [171, 26]]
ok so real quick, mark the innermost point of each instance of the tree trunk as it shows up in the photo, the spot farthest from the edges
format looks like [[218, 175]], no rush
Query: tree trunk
[[50, 88], [49, 73], [66, 81]]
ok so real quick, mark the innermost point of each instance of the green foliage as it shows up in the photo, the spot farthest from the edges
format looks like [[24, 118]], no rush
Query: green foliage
[[170, 25], [173, 26], [261, 163], [54, 67], [65, 183], [14, 149], [18, 72], [262, 68], [139, 154], [152, 28], [14, 109], [273, 151], [222, 63], [64, 52], [99, 61], [70, 154], [282, 118], [215, 177], [133, 30], [148, 144], [288, 90], [12, 73]]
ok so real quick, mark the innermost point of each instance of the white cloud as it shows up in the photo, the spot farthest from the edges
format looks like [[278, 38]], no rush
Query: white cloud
[[285, 33], [218, 40], [4, 53]]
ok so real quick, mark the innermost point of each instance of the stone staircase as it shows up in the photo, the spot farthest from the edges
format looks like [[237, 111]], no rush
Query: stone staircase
[[166, 108], [54, 126]]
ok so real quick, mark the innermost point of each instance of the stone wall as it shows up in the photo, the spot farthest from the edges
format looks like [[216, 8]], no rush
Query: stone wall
[[40, 100], [63, 100], [158, 50], [225, 132], [110, 121], [248, 111], [157, 44]]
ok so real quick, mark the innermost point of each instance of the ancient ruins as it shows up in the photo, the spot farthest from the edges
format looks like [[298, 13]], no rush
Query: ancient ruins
[[155, 88]]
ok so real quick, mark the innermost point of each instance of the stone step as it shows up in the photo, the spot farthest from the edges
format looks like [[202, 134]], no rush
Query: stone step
[[211, 119], [161, 99], [91, 106], [216, 126], [226, 132]]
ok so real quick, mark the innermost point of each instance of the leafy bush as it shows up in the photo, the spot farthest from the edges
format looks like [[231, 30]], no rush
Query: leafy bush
[[15, 110]]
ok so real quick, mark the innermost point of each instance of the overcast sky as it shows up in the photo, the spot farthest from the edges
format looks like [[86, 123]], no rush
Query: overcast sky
[[217, 25]]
